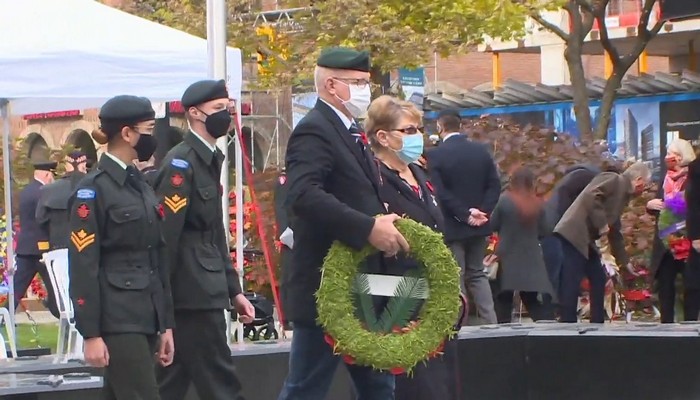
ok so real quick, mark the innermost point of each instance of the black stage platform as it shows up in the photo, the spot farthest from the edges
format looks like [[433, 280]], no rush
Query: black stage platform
[[513, 362]]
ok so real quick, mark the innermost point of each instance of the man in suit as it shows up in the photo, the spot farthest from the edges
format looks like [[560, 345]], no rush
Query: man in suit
[[467, 185], [32, 241], [594, 213], [333, 191]]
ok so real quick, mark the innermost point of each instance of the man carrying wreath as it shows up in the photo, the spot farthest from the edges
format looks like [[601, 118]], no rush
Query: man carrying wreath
[[333, 193]]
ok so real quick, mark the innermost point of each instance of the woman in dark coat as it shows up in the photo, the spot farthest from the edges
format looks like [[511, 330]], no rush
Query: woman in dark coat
[[395, 133], [519, 220], [664, 266]]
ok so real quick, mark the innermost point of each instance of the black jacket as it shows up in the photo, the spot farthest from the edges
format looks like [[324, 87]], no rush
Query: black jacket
[[188, 184], [118, 270], [464, 176], [333, 191], [52, 211], [575, 179], [32, 239], [404, 200]]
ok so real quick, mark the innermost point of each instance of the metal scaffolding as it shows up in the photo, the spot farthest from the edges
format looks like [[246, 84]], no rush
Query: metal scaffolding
[[250, 120]]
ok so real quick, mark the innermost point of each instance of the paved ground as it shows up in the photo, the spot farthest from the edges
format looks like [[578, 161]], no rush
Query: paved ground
[[41, 317]]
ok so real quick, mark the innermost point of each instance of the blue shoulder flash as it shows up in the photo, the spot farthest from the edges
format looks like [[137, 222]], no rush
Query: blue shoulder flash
[[179, 163], [85, 194]]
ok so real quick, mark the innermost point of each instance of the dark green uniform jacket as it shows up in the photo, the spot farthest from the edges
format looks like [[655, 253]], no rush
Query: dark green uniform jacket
[[202, 276], [118, 266], [52, 211]]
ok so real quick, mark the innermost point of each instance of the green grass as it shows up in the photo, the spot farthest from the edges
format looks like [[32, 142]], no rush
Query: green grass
[[45, 337]]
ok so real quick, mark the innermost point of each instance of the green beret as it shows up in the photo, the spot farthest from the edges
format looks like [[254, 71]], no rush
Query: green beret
[[344, 58], [203, 91], [126, 110], [45, 165]]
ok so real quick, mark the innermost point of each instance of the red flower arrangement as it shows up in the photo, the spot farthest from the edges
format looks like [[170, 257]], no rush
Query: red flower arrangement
[[680, 247]]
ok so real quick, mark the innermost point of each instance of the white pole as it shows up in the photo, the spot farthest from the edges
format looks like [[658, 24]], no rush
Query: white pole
[[216, 41], [9, 252]]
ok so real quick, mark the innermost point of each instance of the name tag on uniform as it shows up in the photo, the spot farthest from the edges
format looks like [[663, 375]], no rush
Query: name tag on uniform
[[85, 194], [179, 163]]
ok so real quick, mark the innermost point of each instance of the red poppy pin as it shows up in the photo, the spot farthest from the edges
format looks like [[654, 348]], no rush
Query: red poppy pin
[[81, 301], [176, 179], [429, 186], [283, 179], [363, 137], [161, 211], [83, 211]]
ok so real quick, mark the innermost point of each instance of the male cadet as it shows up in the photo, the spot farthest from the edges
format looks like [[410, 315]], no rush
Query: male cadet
[[52, 211], [32, 241], [204, 283]]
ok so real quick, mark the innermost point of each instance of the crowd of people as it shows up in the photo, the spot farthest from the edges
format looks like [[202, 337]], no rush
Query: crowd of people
[[151, 270]]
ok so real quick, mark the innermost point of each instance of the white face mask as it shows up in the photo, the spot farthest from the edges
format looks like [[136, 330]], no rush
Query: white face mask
[[359, 101]]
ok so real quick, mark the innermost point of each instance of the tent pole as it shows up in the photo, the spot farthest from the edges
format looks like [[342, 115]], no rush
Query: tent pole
[[10, 251], [216, 45]]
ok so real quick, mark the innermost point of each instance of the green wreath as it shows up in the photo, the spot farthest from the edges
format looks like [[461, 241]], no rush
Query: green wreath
[[379, 344]]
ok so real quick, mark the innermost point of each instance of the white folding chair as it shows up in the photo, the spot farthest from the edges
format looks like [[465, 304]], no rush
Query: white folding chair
[[70, 342], [9, 326]]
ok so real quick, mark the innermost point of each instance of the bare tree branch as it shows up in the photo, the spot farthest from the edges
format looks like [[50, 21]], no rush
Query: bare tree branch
[[584, 4], [644, 18], [550, 26], [606, 42], [577, 29]]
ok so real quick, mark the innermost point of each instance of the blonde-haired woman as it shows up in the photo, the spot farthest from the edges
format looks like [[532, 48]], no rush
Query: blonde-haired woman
[[664, 267], [394, 128]]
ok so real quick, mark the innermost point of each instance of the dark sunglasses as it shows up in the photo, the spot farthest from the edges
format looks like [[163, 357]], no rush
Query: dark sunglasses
[[411, 130]]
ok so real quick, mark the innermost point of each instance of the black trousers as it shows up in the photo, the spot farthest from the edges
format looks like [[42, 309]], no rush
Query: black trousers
[[202, 358], [27, 267], [537, 310], [130, 374], [669, 268], [574, 267]]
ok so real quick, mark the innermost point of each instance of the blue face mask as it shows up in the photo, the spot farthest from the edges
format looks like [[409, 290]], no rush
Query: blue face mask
[[412, 148]]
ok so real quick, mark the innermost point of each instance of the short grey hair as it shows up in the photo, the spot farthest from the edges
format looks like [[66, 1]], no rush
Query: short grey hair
[[320, 76], [638, 169], [684, 148]]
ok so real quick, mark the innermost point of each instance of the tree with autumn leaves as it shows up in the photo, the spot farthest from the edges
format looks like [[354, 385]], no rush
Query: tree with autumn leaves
[[399, 34]]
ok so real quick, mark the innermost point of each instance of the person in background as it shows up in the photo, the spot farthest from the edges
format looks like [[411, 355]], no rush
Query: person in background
[[395, 133], [284, 231], [32, 240], [467, 186], [519, 220], [594, 213], [52, 211], [148, 169], [204, 282], [575, 179], [664, 267], [118, 271], [334, 194]]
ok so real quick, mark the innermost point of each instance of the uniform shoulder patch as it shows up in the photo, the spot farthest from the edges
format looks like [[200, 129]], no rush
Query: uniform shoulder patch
[[85, 194], [179, 163]]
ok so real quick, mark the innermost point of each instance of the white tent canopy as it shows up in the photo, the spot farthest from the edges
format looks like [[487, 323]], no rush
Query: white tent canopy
[[75, 54]]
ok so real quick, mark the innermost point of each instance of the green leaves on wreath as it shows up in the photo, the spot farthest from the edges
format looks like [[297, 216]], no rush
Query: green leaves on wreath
[[366, 306], [408, 297]]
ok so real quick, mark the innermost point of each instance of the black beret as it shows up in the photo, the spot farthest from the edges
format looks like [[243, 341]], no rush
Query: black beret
[[344, 58], [127, 110], [203, 91], [45, 165], [449, 113]]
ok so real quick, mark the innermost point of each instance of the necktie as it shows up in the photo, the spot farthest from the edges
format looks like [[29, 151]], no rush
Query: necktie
[[133, 178], [359, 135]]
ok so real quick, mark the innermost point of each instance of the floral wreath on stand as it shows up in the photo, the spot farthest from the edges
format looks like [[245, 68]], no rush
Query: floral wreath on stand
[[391, 342], [672, 230]]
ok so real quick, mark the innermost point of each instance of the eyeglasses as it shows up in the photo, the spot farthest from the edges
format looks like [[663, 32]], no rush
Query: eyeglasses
[[411, 130], [360, 83], [144, 130]]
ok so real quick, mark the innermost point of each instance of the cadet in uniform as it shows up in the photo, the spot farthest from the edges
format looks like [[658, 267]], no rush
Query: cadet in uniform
[[204, 283], [118, 270], [52, 211], [32, 241]]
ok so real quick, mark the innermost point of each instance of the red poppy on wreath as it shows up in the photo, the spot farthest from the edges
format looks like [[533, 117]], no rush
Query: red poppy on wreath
[[429, 186], [83, 211], [161, 211], [176, 179], [680, 248], [347, 359]]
